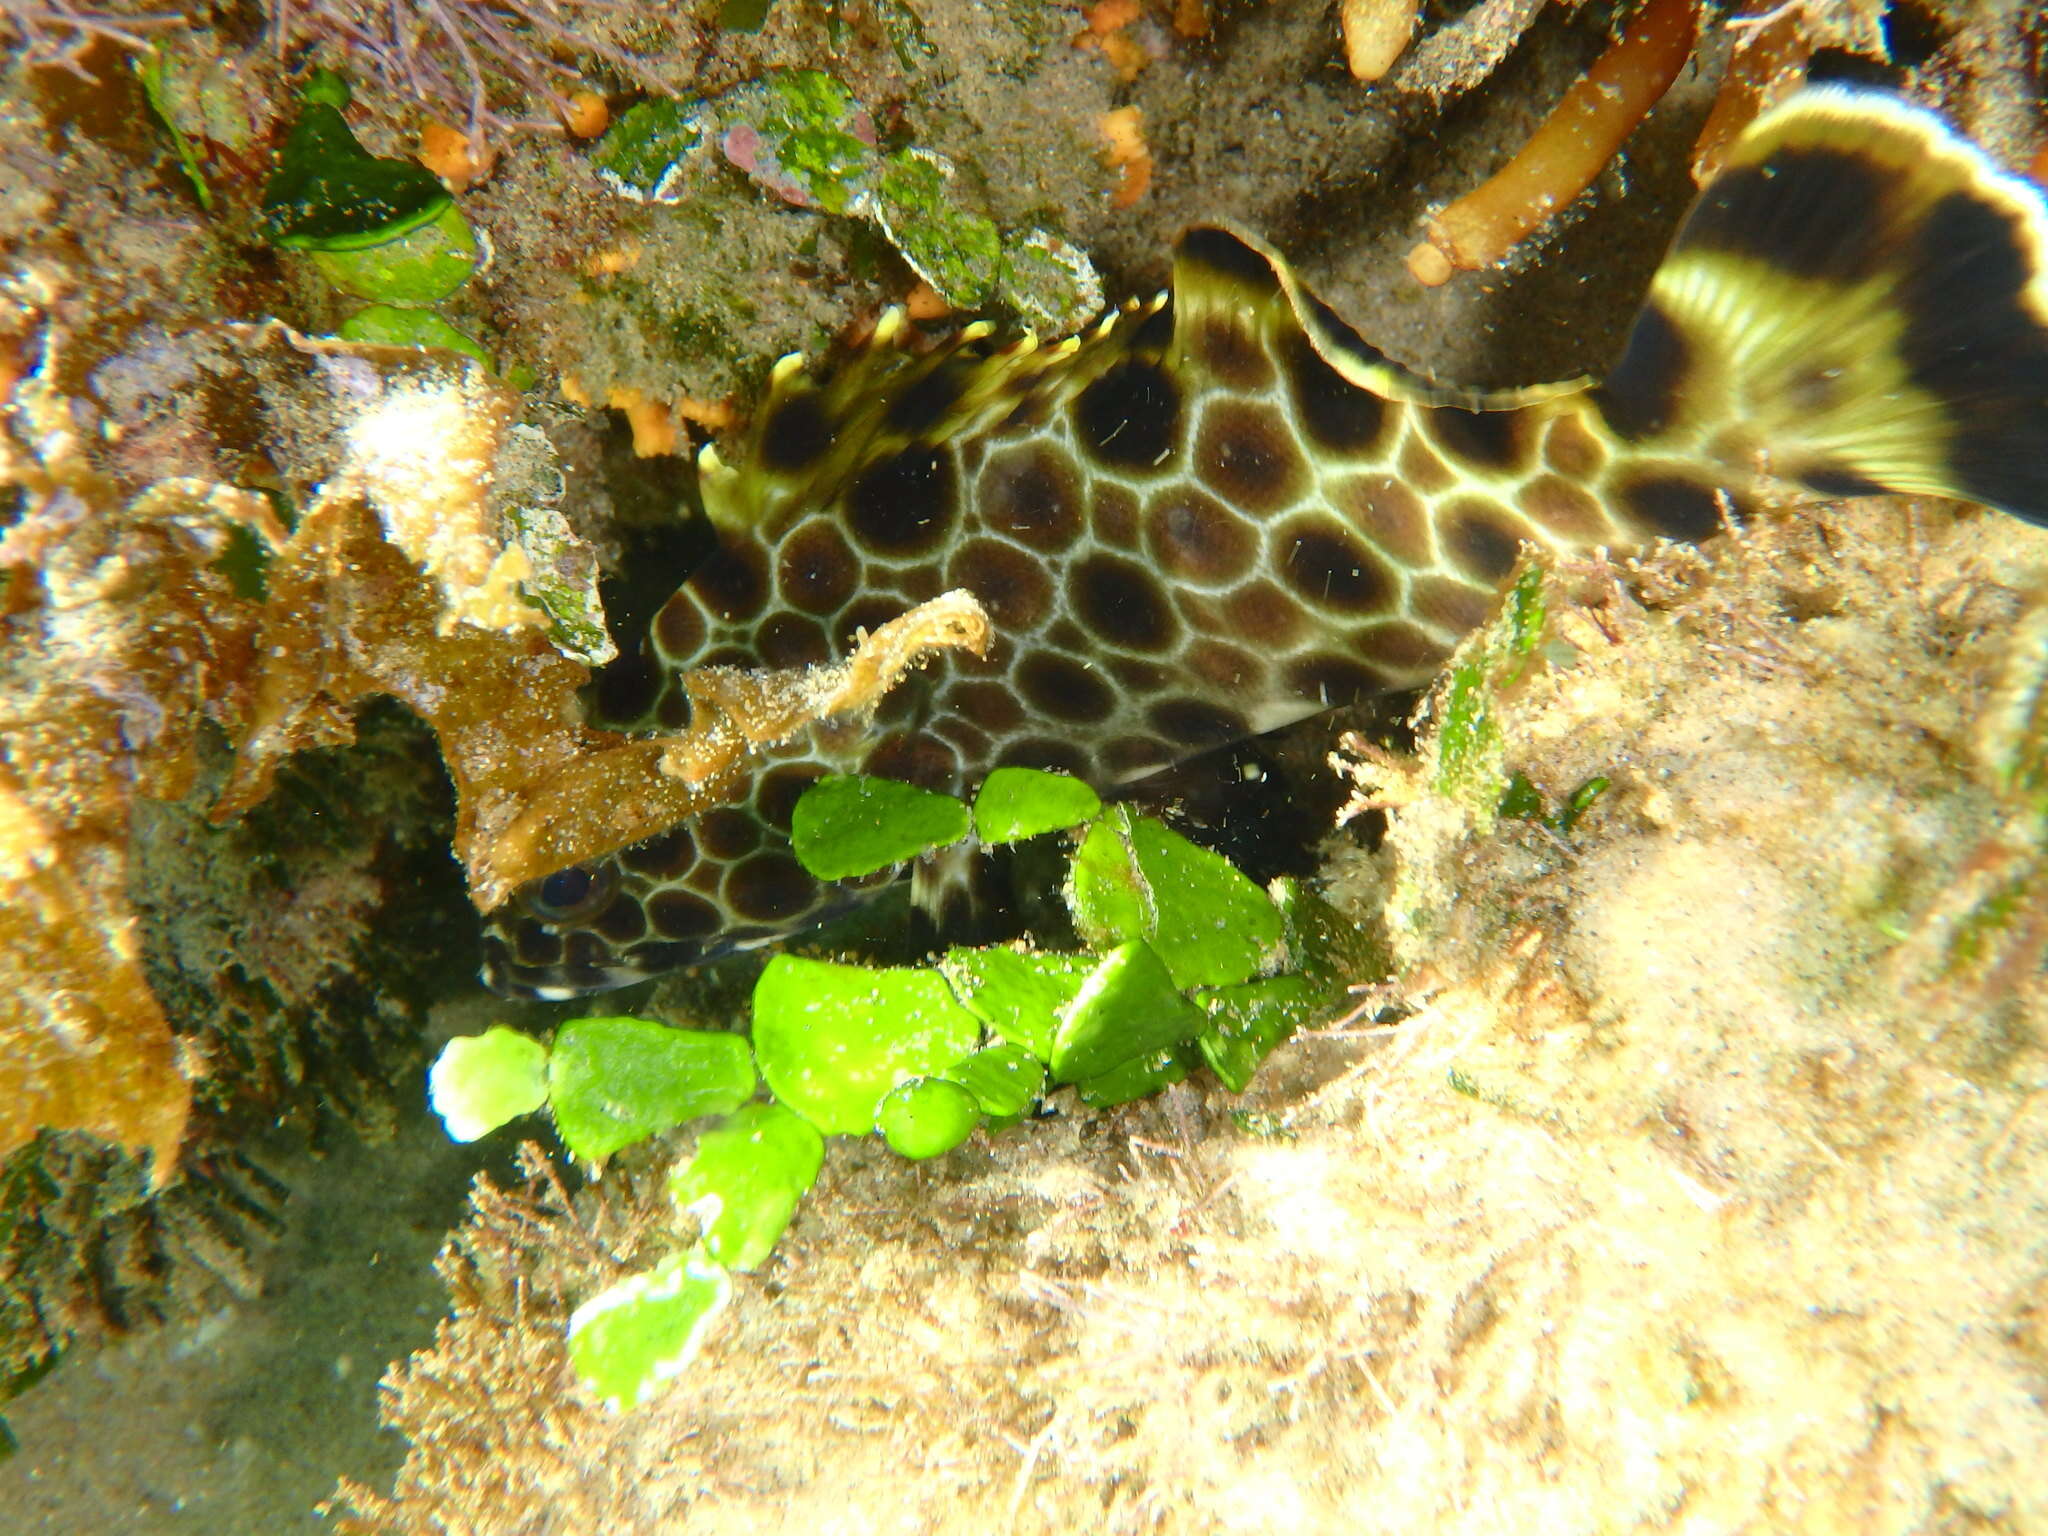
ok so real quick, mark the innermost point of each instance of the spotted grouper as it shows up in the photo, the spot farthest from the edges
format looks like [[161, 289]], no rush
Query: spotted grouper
[[1224, 511]]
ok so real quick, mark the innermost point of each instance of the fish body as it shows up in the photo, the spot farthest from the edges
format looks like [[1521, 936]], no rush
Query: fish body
[[1224, 511]]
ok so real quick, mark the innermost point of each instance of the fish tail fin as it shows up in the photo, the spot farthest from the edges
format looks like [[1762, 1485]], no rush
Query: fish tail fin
[[1857, 303]]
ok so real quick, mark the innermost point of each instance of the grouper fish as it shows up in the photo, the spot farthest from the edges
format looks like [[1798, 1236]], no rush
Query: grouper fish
[[1224, 511]]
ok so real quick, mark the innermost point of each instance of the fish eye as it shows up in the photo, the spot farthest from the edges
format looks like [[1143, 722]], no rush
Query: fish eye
[[572, 894]]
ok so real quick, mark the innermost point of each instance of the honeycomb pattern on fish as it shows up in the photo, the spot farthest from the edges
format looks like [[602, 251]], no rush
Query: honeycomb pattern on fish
[[1224, 511]]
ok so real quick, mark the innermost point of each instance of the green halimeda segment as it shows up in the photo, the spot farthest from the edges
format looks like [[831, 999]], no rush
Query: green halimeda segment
[[616, 1081], [1129, 1007], [397, 325], [1247, 1021], [479, 1082], [926, 1116], [645, 154], [1134, 878], [1016, 803], [627, 1340], [330, 194], [1019, 995], [832, 1039], [1136, 1079], [850, 825], [1004, 1079], [421, 266], [745, 1180]]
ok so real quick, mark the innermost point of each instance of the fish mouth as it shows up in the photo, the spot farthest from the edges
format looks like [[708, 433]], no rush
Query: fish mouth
[[561, 981]]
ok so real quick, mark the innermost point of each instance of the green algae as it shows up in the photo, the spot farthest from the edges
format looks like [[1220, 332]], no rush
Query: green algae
[[397, 325], [479, 1082], [615, 1081], [833, 1039], [851, 824], [631, 1337], [1129, 1007], [330, 194], [925, 1117], [745, 1180], [645, 155], [1016, 993], [1135, 878], [1015, 803]]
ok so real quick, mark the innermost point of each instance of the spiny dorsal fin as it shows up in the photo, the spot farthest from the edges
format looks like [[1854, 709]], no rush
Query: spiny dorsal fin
[[1859, 301], [810, 434]]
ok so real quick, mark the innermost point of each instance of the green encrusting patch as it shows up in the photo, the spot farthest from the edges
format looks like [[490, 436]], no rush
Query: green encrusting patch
[[644, 154]]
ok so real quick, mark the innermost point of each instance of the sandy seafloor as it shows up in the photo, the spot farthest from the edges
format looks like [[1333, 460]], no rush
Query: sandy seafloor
[[238, 1423]]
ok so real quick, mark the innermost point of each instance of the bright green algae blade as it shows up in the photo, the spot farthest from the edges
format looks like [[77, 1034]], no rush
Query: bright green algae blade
[[832, 1039], [1017, 994], [1129, 1007], [330, 194], [1004, 1079], [1247, 1021], [421, 266], [399, 325], [479, 1082], [1016, 803], [1137, 1079], [851, 825], [926, 1116], [1134, 878], [630, 1338], [616, 1081], [745, 1180]]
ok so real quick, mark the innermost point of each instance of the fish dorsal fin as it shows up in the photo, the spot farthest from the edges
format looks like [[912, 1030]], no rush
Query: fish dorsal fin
[[1221, 270], [1859, 301], [811, 433]]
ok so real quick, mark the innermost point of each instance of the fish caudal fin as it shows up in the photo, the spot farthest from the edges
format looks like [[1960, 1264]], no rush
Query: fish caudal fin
[[1858, 302]]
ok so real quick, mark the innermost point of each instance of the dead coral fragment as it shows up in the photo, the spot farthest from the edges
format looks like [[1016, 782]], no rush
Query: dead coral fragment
[[121, 636], [1564, 155], [402, 579], [617, 791]]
